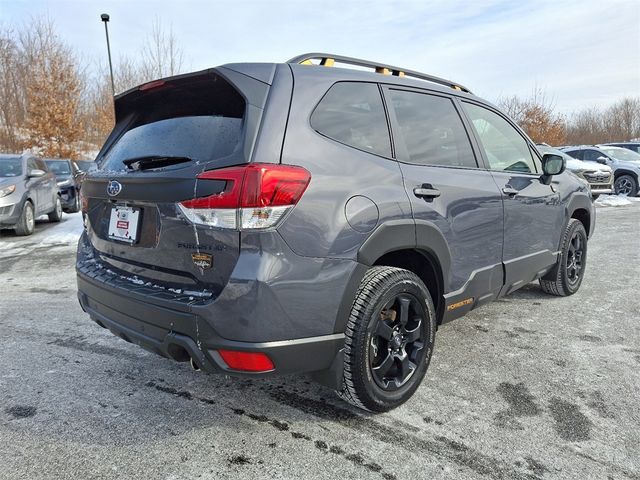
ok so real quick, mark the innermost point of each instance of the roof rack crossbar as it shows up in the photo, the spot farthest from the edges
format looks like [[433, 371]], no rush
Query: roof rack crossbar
[[328, 60]]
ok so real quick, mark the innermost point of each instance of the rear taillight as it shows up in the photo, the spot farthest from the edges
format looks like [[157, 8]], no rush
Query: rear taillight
[[255, 196], [247, 361]]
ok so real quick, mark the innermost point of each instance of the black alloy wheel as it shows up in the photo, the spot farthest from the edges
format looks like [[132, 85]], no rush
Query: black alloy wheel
[[397, 343], [575, 255]]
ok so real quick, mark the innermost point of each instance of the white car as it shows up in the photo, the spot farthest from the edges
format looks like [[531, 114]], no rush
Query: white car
[[598, 176]]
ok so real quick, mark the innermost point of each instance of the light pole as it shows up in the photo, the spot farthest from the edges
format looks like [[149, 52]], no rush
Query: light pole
[[105, 18]]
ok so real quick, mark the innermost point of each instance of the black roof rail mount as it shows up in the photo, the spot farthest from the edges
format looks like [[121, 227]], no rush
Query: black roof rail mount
[[329, 59]]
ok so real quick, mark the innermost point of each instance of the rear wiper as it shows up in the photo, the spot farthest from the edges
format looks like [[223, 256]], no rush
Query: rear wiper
[[153, 161]]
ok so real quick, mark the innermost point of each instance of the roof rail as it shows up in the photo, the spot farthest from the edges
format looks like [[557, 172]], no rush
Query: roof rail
[[329, 59]]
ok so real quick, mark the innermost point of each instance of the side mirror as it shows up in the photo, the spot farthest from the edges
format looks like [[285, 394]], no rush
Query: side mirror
[[551, 165], [602, 160], [36, 172]]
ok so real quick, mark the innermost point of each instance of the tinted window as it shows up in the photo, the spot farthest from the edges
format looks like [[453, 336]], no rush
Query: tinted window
[[199, 138], [503, 145], [10, 167], [352, 113], [86, 166], [41, 165], [574, 153], [432, 130], [591, 155], [59, 168], [31, 164], [200, 119]]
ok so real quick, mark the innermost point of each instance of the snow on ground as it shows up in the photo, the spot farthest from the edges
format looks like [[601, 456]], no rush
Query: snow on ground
[[615, 201], [47, 235], [66, 232]]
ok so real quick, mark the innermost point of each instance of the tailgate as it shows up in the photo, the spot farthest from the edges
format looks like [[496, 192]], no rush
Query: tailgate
[[179, 128]]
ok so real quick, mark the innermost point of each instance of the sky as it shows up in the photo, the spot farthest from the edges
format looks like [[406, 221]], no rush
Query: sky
[[581, 53]]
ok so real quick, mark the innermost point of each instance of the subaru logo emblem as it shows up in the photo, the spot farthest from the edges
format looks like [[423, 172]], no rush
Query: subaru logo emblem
[[113, 188]]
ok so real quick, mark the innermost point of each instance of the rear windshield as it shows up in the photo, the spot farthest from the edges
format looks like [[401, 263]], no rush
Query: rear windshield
[[10, 167], [86, 166], [59, 168], [198, 118]]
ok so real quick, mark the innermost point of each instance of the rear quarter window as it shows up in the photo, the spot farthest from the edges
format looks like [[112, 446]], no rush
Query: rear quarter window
[[353, 114]]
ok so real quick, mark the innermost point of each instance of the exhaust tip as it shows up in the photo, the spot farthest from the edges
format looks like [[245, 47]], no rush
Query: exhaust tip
[[194, 365]]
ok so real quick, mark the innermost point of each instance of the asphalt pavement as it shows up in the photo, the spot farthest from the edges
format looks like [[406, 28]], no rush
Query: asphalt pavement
[[530, 386]]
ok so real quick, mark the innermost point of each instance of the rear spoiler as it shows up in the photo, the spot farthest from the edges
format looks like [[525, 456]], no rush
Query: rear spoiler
[[251, 80]]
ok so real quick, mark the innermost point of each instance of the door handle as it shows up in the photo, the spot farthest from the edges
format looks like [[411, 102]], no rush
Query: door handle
[[422, 192], [509, 190]]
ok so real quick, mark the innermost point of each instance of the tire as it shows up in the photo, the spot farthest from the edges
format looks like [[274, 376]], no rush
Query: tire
[[27, 222], [56, 215], [626, 185], [386, 356], [566, 277]]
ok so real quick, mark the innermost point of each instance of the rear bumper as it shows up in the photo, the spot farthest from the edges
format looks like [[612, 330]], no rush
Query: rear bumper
[[276, 303], [182, 335]]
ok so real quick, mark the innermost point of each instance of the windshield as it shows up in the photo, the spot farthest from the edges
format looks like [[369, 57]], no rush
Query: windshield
[[59, 167], [622, 154], [10, 167]]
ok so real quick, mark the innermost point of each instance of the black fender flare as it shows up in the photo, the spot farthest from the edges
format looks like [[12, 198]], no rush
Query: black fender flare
[[388, 237], [580, 201]]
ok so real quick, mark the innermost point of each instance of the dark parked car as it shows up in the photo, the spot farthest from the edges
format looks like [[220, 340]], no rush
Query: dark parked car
[[328, 221], [66, 172], [624, 163], [598, 176], [27, 190], [633, 146]]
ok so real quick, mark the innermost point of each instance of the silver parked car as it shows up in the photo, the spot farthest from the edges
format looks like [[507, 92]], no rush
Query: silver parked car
[[598, 176], [624, 163], [28, 189]]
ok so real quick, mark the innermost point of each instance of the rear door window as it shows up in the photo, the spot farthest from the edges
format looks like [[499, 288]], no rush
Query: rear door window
[[432, 130], [574, 153], [353, 114], [591, 155]]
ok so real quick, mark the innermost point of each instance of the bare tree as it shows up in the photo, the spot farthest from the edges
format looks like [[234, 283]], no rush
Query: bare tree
[[619, 122], [53, 89], [161, 55], [536, 117], [13, 103]]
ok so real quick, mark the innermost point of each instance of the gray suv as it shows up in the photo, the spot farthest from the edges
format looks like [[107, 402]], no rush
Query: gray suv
[[28, 189], [625, 164], [260, 219]]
